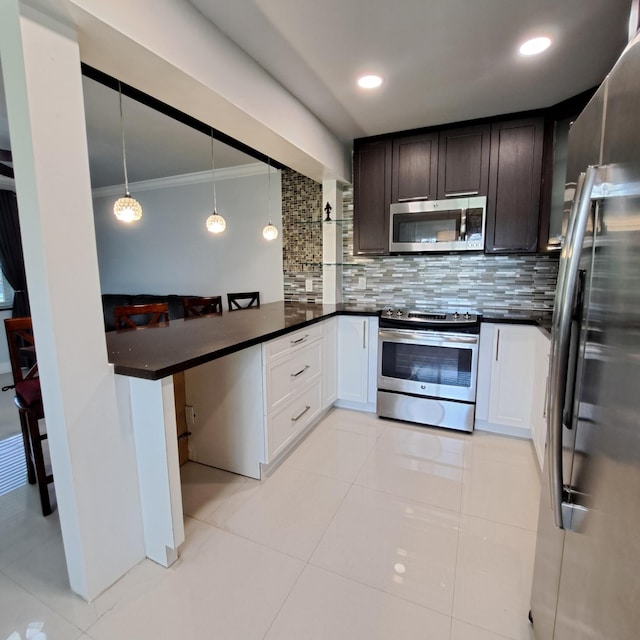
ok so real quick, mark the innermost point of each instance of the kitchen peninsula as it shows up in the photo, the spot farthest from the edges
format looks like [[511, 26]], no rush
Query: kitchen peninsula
[[222, 358]]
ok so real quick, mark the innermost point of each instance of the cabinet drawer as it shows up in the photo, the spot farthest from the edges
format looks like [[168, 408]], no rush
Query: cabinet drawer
[[291, 341], [285, 375], [293, 418]]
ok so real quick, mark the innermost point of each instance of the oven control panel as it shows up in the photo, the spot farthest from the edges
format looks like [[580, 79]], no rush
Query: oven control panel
[[434, 321], [415, 316]]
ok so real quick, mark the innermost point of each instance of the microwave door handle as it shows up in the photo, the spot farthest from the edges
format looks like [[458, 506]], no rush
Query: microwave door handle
[[461, 194], [561, 341], [463, 225]]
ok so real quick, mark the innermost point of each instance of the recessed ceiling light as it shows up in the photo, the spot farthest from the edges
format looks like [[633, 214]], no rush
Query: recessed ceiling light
[[535, 45], [370, 82]]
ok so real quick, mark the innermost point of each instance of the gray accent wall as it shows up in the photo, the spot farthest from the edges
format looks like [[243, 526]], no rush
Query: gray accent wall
[[170, 250], [302, 237]]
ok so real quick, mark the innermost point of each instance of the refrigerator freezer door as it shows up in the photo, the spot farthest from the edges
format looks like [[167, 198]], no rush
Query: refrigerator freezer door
[[584, 149], [599, 587]]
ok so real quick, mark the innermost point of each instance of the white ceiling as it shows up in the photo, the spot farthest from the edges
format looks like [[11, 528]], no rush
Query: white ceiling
[[442, 61]]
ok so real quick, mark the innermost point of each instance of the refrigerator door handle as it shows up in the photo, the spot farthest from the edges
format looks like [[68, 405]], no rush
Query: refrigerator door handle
[[561, 335]]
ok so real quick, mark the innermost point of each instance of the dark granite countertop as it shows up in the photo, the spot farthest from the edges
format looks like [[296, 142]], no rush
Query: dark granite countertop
[[159, 352]]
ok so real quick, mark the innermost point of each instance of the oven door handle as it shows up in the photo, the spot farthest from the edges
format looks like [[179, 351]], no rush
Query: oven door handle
[[423, 338]]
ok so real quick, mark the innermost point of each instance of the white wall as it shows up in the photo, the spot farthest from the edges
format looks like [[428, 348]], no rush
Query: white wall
[[170, 250]]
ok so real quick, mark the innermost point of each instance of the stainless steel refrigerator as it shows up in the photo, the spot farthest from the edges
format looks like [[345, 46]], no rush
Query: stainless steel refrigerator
[[587, 568]]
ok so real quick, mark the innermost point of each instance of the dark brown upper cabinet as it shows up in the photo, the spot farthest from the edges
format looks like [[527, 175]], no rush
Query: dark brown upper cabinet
[[502, 160], [515, 180], [463, 162], [371, 197], [415, 167]]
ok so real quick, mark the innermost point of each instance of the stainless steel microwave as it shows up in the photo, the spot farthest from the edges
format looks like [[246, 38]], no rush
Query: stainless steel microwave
[[425, 226]]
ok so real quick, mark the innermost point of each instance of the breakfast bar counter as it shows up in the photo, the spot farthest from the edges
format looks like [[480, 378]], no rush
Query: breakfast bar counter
[[158, 352]]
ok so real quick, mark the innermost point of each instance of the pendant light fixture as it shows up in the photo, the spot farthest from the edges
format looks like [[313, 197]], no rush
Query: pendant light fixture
[[215, 222], [269, 232], [126, 209]]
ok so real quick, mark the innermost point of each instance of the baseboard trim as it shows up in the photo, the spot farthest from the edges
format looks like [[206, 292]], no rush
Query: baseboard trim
[[515, 432], [368, 407], [5, 367]]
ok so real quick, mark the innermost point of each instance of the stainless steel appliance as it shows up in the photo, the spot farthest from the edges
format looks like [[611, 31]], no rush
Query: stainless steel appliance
[[587, 561], [456, 224], [427, 367]]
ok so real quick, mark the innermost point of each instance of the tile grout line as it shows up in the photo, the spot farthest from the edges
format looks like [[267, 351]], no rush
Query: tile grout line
[[308, 561]]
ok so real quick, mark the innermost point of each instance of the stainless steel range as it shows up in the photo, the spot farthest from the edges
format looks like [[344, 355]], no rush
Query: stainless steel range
[[427, 367]]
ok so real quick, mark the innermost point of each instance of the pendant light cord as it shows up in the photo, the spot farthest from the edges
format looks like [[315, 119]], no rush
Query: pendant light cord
[[124, 152], [213, 175], [269, 189]]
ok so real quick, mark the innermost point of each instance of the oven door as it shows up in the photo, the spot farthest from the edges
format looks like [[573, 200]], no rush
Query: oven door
[[428, 363]]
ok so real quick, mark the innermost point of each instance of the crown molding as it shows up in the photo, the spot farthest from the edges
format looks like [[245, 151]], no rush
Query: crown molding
[[242, 171]]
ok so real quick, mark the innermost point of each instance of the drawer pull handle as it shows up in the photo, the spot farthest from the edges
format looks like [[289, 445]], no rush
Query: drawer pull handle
[[299, 340], [295, 375], [301, 414]]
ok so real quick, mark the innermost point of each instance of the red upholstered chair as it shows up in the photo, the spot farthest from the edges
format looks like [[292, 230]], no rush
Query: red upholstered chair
[[28, 399], [140, 316], [243, 300], [202, 306]]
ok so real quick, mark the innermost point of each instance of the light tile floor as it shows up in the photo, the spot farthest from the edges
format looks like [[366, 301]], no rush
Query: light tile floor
[[371, 529]]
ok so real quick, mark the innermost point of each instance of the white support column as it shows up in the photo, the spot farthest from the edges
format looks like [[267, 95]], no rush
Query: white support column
[[332, 244], [91, 441], [154, 424]]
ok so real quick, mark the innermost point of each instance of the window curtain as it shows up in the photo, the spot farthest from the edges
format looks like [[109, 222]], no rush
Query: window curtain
[[11, 257]]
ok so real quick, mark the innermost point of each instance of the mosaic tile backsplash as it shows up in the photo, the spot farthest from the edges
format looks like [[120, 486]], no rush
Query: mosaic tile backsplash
[[445, 282], [301, 237]]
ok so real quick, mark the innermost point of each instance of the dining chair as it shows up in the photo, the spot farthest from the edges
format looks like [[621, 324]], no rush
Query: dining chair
[[243, 300], [202, 306], [140, 316], [28, 400]]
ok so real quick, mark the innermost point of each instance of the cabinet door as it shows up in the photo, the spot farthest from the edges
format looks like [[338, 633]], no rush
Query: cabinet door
[[415, 168], [463, 162], [539, 397], [515, 176], [353, 358], [329, 362], [512, 374], [371, 197]]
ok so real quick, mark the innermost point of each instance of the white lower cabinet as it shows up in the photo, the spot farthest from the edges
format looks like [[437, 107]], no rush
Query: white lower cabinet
[[357, 362], [507, 370], [292, 419], [539, 397], [329, 362], [293, 387], [250, 407]]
